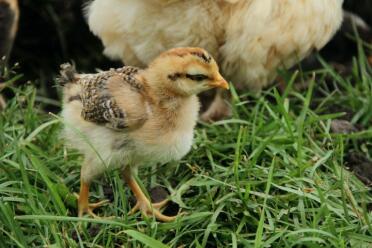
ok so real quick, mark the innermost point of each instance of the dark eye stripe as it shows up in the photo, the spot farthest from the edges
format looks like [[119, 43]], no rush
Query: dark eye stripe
[[197, 77], [174, 76]]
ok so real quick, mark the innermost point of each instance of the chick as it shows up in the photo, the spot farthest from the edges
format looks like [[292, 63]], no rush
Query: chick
[[128, 117], [250, 39]]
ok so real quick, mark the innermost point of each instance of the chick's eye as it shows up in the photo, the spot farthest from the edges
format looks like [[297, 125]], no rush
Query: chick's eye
[[197, 77]]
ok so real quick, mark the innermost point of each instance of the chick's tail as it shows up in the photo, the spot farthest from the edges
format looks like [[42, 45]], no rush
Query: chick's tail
[[68, 74]]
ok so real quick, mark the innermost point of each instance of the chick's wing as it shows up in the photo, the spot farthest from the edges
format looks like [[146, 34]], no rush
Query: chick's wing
[[114, 99]]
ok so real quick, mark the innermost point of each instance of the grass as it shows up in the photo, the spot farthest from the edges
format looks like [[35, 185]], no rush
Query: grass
[[274, 175]]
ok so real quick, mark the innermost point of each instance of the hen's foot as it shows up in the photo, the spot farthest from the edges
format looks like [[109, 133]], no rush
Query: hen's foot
[[218, 110]]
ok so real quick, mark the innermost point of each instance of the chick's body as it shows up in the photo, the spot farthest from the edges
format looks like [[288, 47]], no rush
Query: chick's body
[[146, 134], [128, 117]]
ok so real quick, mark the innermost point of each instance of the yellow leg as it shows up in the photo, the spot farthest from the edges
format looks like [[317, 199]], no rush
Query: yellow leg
[[143, 204], [83, 201]]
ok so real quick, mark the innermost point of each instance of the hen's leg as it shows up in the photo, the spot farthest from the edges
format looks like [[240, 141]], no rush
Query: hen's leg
[[219, 108], [143, 204]]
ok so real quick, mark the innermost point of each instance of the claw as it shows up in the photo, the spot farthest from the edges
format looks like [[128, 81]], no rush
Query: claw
[[159, 205], [98, 204]]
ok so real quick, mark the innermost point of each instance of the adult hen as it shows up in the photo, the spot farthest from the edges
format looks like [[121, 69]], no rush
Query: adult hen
[[9, 14], [250, 39], [129, 117]]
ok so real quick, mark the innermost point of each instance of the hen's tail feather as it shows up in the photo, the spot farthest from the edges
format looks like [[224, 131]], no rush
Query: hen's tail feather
[[68, 74]]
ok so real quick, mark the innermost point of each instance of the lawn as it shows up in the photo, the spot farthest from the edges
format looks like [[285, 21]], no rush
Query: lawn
[[284, 171]]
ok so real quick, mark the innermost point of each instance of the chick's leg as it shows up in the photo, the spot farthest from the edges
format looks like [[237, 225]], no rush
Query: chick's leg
[[83, 201], [143, 204]]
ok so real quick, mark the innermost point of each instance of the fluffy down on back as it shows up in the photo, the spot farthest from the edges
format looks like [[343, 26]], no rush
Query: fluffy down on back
[[249, 38]]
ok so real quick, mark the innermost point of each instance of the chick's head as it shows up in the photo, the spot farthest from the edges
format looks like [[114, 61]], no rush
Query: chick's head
[[186, 71]]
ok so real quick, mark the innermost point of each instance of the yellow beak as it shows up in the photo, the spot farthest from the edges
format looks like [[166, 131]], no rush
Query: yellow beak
[[220, 84]]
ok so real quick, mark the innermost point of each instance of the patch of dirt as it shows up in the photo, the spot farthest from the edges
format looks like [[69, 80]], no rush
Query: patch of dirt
[[361, 166], [349, 114], [343, 127], [93, 231], [158, 194], [171, 209], [74, 235], [108, 192]]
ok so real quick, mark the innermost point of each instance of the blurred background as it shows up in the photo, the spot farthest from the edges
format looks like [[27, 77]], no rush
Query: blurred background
[[52, 32]]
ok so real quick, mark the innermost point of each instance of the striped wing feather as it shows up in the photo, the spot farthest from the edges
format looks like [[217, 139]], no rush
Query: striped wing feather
[[108, 99]]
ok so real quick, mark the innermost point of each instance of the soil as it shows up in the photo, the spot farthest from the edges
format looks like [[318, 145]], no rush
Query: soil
[[361, 166]]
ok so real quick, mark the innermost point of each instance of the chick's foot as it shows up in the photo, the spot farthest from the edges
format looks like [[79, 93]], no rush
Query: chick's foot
[[83, 202], [143, 204], [89, 207], [151, 209]]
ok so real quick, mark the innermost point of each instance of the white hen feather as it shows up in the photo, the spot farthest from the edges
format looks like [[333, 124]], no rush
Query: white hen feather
[[250, 38]]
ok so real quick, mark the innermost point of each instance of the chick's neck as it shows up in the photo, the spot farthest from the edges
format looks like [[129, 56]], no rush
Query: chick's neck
[[161, 95], [176, 110]]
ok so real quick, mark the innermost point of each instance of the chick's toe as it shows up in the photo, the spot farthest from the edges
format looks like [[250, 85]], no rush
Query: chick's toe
[[143, 204]]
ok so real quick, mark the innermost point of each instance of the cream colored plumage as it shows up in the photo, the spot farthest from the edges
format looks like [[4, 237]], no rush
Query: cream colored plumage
[[128, 117], [249, 38], [9, 15]]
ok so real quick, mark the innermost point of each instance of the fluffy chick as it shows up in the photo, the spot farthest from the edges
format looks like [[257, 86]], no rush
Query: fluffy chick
[[129, 117], [250, 39]]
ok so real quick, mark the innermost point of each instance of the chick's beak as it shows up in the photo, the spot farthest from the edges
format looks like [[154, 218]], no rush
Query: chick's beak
[[219, 83]]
